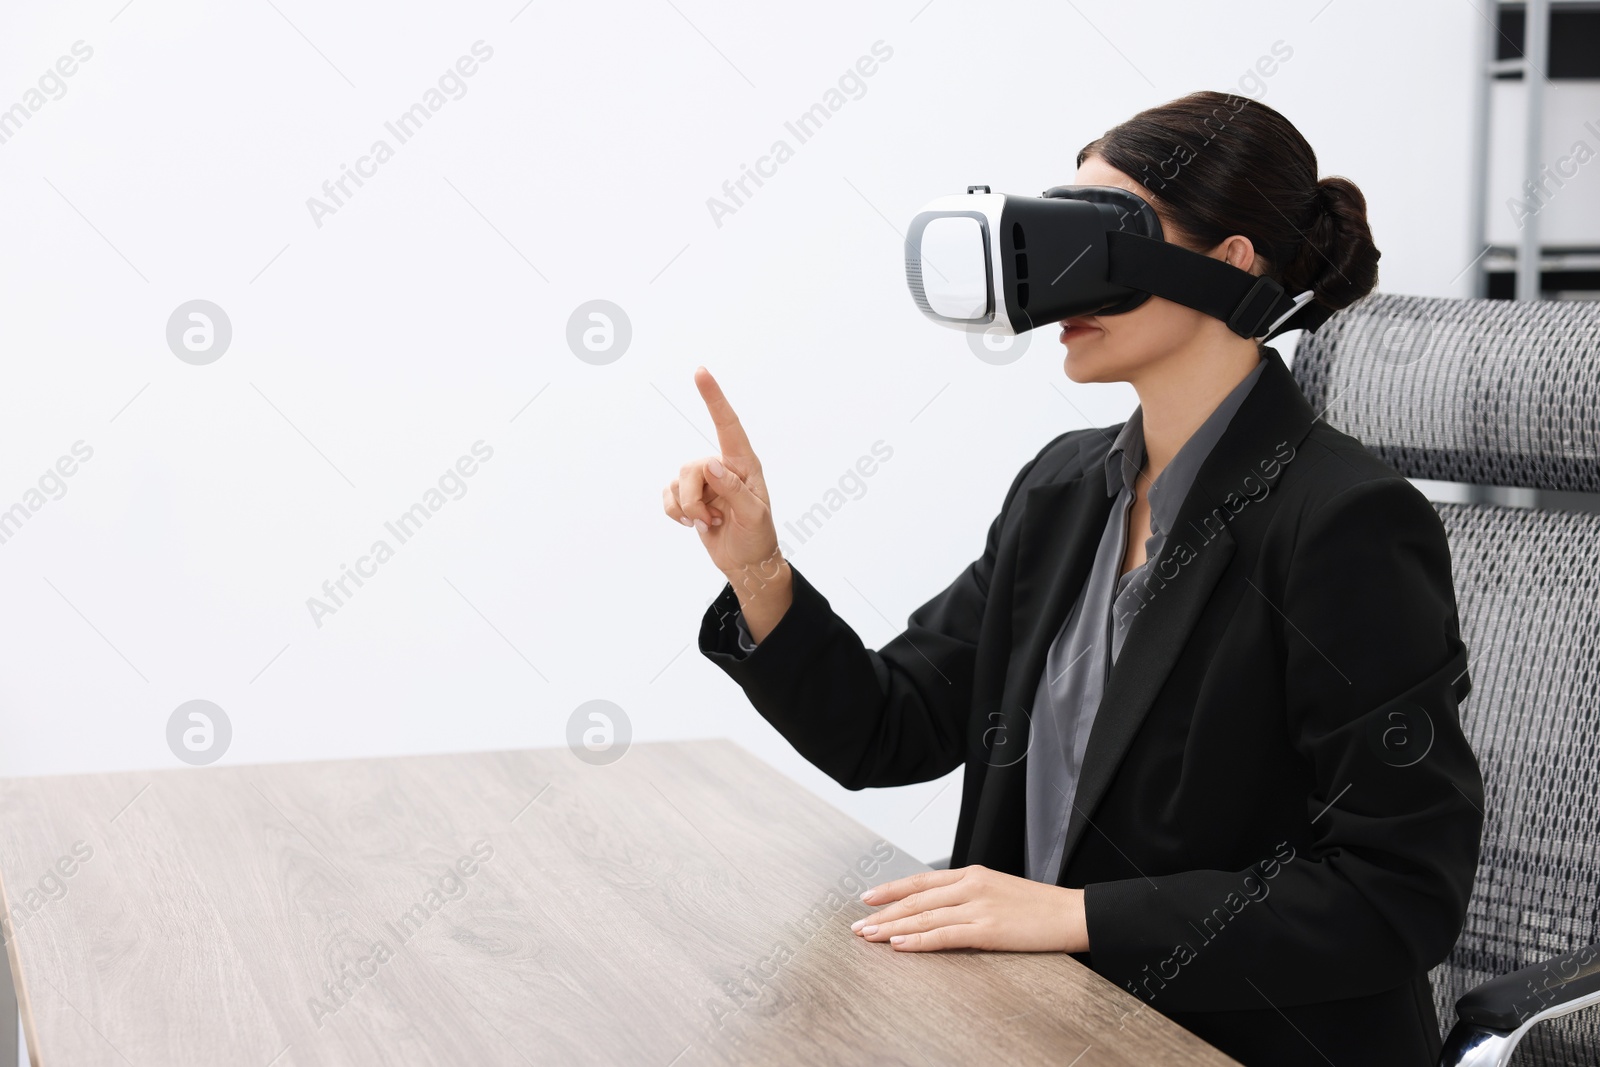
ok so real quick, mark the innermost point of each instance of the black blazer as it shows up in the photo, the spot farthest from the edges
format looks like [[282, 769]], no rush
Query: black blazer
[[1278, 819]]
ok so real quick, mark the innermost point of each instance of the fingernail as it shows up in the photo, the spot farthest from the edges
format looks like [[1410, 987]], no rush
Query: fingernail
[[699, 525], [897, 939], [857, 924], [716, 521], [715, 467], [870, 930], [685, 520], [868, 894]]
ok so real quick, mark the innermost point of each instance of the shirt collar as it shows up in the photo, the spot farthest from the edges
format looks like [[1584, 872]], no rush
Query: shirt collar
[[1127, 454], [1167, 492]]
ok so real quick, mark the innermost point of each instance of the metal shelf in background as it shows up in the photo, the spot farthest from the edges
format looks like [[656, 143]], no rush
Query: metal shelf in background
[[1540, 263]]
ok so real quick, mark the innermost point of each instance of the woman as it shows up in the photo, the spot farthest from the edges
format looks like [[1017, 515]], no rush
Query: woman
[[1204, 678]]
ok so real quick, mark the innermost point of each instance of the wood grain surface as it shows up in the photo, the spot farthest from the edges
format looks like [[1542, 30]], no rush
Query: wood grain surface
[[684, 905]]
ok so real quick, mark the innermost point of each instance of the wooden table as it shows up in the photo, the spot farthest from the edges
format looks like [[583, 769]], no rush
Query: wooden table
[[684, 905]]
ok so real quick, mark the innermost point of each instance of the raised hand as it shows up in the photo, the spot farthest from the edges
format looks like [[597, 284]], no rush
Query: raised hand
[[724, 497]]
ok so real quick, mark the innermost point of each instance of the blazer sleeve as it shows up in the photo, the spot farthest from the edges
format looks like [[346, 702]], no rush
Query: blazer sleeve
[[866, 718], [1377, 892]]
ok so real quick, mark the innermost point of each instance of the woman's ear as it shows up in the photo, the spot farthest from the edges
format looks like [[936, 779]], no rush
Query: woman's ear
[[1239, 252]]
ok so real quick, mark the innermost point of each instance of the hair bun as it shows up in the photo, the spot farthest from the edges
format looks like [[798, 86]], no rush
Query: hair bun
[[1337, 259]]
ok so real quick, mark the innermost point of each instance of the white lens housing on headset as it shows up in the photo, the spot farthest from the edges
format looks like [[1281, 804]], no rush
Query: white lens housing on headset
[[950, 263]]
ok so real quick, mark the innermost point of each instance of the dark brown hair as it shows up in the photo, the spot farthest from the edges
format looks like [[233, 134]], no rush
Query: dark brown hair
[[1218, 164]]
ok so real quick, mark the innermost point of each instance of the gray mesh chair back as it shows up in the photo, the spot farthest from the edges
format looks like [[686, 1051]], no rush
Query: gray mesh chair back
[[1496, 393]]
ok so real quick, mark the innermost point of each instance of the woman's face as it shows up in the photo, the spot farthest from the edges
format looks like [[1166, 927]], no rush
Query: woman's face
[[1126, 347]]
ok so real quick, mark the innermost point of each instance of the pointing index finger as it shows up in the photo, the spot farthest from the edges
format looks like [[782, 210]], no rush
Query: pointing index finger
[[731, 438]]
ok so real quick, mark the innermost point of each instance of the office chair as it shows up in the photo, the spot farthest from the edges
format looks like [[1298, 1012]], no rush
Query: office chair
[[1494, 393]]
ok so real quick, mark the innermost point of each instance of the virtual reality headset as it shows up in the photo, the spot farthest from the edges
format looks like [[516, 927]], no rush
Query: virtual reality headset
[[1002, 264]]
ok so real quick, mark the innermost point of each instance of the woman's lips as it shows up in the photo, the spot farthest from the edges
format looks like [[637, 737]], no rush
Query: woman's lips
[[1071, 328]]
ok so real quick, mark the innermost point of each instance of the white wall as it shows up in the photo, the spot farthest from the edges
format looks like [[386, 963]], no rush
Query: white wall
[[371, 352], [1568, 204]]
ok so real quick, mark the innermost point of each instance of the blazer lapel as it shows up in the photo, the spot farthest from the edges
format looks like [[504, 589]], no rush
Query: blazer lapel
[[1059, 530], [1154, 641], [1191, 563]]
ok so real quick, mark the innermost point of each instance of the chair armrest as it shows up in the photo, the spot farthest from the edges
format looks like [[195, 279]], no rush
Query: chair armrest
[[1511, 1000], [1493, 1017]]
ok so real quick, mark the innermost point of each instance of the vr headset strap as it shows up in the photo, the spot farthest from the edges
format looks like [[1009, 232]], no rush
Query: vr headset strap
[[1246, 302]]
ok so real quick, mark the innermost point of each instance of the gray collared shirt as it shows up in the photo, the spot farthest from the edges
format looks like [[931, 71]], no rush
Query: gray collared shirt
[[1080, 658]]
